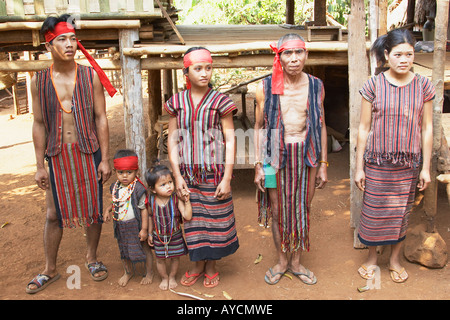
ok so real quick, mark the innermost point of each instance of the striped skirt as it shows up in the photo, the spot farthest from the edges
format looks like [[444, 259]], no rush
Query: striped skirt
[[77, 193], [388, 200], [211, 233], [169, 246]]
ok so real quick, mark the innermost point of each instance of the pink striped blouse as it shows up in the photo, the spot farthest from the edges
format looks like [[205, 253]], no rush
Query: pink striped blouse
[[397, 113]]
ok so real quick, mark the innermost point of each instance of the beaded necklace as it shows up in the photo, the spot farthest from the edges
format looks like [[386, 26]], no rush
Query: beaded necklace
[[117, 202]]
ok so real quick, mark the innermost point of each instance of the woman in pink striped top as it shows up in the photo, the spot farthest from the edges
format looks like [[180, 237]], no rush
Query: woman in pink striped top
[[393, 149]]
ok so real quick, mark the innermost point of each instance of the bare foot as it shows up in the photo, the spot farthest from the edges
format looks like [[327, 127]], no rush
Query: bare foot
[[172, 283], [164, 284], [124, 279], [148, 279]]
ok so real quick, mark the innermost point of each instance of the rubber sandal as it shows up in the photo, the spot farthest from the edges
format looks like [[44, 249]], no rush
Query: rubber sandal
[[394, 272], [96, 267], [211, 285], [307, 274], [367, 272], [41, 281], [267, 280], [190, 283]]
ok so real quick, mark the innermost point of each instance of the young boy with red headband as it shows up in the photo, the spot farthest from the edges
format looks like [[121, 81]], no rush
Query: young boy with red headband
[[130, 217], [70, 131]]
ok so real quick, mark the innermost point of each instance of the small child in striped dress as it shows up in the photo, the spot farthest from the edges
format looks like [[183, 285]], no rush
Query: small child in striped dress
[[166, 214]]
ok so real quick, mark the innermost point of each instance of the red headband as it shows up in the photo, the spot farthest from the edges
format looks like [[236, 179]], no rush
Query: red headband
[[277, 70], [193, 57], [126, 163], [64, 27]]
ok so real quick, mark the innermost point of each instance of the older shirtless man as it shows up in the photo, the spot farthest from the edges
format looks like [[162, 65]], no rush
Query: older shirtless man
[[291, 154], [70, 131]]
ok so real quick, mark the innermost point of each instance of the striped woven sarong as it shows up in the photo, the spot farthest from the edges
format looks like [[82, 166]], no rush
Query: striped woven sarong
[[211, 233], [176, 246], [388, 200], [77, 193], [293, 182], [130, 246], [168, 238]]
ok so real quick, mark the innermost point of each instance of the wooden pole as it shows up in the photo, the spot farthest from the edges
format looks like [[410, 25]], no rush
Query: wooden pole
[[357, 75], [382, 20], [373, 31], [440, 40], [290, 12], [154, 110], [133, 106], [320, 12]]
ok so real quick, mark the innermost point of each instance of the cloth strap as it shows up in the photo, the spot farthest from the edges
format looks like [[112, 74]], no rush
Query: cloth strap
[[193, 57], [277, 70], [126, 163], [64, 27]]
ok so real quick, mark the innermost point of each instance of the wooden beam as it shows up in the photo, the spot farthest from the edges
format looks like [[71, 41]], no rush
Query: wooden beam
[[440, 40], [233, 48], [36, 65], [357, 74], [80, 24], [160, 63]]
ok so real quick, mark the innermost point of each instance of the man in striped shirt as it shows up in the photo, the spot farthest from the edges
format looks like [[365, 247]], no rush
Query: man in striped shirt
[[70, 131]]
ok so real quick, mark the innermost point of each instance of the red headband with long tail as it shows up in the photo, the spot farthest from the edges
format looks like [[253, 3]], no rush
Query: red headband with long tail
[[64, 27]]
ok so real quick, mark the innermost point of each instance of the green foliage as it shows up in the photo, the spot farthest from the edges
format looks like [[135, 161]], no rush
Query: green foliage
[[234, 12], [250, 12], [339, 10]]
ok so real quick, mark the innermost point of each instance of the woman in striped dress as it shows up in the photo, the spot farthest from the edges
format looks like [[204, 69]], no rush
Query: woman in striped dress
[[393, 149], [201, 153]]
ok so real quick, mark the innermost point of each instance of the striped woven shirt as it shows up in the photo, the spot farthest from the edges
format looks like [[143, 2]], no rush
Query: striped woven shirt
[[201, 143], [397, 113], [82, 109]]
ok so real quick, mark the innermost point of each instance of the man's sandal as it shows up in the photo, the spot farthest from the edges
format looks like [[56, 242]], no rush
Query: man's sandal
[[273, 275], [96, 267], [307, 274], [41, 281]]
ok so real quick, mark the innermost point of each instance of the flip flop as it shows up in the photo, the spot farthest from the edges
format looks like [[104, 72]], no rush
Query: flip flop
[[41, 281], [267, 279], [211, 285], [367, 272], [396, 275], [307, 274], [190, 283], [96, 267]]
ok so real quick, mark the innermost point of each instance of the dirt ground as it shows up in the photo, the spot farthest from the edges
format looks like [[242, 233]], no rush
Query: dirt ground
[[332, 256]]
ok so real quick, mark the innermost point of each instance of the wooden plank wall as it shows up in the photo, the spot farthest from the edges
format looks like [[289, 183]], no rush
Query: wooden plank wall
[[46, 7]]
